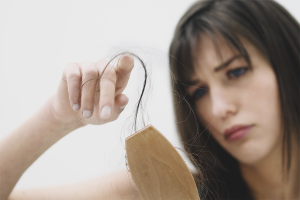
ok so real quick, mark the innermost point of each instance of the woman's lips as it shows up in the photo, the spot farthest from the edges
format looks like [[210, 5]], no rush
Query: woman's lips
[[237, 132]]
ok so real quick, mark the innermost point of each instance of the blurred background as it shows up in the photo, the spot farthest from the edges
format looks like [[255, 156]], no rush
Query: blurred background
[[39, 38]]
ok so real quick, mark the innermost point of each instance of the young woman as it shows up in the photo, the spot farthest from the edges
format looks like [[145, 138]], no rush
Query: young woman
[[239, 63], [235, 64]]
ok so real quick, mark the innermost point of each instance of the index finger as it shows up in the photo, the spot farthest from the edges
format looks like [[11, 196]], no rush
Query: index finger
[[123, 69]]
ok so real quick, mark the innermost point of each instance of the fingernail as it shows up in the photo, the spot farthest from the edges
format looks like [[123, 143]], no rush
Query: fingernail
[[105, 113], [76, 107], [87, 113]]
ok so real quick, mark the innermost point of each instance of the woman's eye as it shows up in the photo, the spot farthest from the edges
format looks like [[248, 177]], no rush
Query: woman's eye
[[237, 72], [200, 92]]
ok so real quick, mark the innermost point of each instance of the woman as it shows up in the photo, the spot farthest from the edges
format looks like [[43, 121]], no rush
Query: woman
[[239, 62], [235, 64]]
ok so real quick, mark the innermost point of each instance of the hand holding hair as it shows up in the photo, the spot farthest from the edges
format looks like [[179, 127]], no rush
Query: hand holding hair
[[75, 104], [77, 99]]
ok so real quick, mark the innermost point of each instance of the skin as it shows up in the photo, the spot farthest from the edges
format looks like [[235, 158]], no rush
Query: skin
[[239, 95], [57, 118]]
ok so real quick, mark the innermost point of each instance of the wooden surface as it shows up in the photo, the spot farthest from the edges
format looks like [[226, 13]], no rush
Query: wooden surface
[[157, 169]]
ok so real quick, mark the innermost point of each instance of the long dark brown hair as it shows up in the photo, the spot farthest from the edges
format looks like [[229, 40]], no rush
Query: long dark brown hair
[[275, 33]]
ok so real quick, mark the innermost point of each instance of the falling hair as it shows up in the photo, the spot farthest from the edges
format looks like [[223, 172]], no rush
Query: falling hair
[[275, 33], [139, 103]]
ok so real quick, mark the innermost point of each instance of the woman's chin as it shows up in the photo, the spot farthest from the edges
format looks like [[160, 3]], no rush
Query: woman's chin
[[251, 152]]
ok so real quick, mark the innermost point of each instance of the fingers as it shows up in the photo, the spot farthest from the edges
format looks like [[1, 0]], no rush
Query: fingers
[[121, 101], [89, 80], [72, 75], [107, 89], [113, 83], [123, 70], [82, 82]]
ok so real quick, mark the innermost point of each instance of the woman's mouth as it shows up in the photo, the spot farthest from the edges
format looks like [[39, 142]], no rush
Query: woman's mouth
[[237, 132]]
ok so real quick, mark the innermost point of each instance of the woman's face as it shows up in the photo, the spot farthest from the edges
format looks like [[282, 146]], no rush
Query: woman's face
[[240, 105]]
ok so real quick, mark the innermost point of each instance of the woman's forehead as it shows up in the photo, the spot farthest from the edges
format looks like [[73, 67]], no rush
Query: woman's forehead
[[212, 53]]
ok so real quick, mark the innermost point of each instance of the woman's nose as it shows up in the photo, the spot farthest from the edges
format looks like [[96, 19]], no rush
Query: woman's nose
[[223, 103]]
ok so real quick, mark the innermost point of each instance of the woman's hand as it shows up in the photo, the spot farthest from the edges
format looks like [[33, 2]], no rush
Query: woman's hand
[[56, 118], [71, 104]]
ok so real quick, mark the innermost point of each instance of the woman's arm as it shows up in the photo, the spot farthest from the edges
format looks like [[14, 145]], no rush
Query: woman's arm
[[23, 146], [72, 106], [115, 186], [20, 148]]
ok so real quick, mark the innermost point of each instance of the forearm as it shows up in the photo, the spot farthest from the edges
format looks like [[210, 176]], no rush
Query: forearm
[[20, 148], [114, 186]]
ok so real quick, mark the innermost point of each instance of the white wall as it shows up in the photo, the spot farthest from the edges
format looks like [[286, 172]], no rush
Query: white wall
[[38, 39]]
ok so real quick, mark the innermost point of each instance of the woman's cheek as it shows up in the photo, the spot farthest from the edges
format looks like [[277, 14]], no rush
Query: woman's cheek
[[204, 109]]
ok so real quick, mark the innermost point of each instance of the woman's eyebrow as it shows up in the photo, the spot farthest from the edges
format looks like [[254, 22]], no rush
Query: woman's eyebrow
[[225, 64], [192, 83], [222, 66]]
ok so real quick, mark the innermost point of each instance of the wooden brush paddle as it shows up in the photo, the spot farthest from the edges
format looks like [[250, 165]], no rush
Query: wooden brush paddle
[[157, 169]]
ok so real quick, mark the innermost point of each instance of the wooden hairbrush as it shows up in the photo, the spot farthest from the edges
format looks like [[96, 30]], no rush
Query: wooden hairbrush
[[157, 169]]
